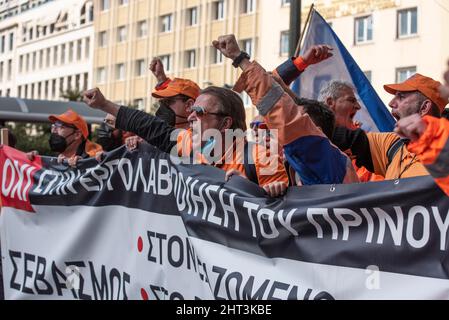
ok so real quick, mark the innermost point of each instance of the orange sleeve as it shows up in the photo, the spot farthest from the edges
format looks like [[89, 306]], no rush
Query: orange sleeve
[[432, 148], [278, 108], [433, 141], [269, 166], [379, 143]]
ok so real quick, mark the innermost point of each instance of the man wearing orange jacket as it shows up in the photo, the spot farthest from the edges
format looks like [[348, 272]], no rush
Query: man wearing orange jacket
[[69, 138], [306, 147], [215, 108]]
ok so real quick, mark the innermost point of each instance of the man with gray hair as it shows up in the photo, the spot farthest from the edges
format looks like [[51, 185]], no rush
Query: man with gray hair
[[340, 98]]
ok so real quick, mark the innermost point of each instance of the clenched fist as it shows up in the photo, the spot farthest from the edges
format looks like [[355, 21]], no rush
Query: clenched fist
[[157, 68], [94, 98], [228, 46], [411, 127], [317, 53]]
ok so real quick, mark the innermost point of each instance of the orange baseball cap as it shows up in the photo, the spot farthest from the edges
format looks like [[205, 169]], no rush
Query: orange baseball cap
[[178, 86], [427, 86], [73, 118]]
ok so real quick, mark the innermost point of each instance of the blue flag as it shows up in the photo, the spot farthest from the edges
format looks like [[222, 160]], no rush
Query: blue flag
[[373, 114]]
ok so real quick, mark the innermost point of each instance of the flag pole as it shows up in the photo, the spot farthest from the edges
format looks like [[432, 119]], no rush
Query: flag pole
[[298, 46]]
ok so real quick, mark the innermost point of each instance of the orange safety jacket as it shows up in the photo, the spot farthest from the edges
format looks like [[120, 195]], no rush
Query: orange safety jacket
[[432, 148], [158, 133], [306, 148]]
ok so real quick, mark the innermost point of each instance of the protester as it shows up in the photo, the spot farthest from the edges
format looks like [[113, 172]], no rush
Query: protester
[[69, 137], [216, 108], [429, 138], [389, 155], [339, 96], [306, 147], [176, 97], [109, 137]]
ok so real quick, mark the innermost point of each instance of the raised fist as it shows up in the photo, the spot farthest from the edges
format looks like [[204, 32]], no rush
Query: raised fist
[[94, 98], [228, 46], [157, 68]]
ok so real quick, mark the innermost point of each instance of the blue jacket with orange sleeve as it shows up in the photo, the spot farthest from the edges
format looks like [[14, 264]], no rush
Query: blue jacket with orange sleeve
[[306, 148]]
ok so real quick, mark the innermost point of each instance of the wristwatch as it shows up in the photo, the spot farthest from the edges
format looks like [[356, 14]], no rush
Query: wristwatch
[[243, 55]]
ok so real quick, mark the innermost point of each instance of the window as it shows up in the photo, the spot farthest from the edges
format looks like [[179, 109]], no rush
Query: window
[[79, 49], [48, 57], [41, 59], [192, 16], [11, 41], [247, 6], [33, 62], [247, 46], [87, 48], [101, 75], [102, 39], [90, 17], [104, 5], [190, 59], [284, 43], [121, 34], [71, 49], [120, 71], [62, 54], [1, 71], [166, 61], [403, 74], [53, 88], [9, 71], [46, 90], [166, 23], [122, 2], [77, 81], [20, 65], [140, 68], [407, 22], [217, 56], [218, 10], [85, 78], [2, 44], [285, 3], [55, 56], [363, 29], [142, 29], [27, 62], [368, 75]]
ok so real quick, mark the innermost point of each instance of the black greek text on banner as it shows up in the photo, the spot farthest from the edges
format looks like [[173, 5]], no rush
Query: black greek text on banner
[[139, 225]]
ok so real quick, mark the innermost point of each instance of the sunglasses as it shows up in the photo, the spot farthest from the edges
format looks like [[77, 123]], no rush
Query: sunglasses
[[200, 111]]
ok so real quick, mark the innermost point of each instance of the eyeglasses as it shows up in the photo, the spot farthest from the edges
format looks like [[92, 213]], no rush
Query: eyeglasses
[[58, 125], [200, 111]]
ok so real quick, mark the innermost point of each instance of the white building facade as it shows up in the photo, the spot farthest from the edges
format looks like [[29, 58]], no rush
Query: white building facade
[[46, 47], [389, 39]]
